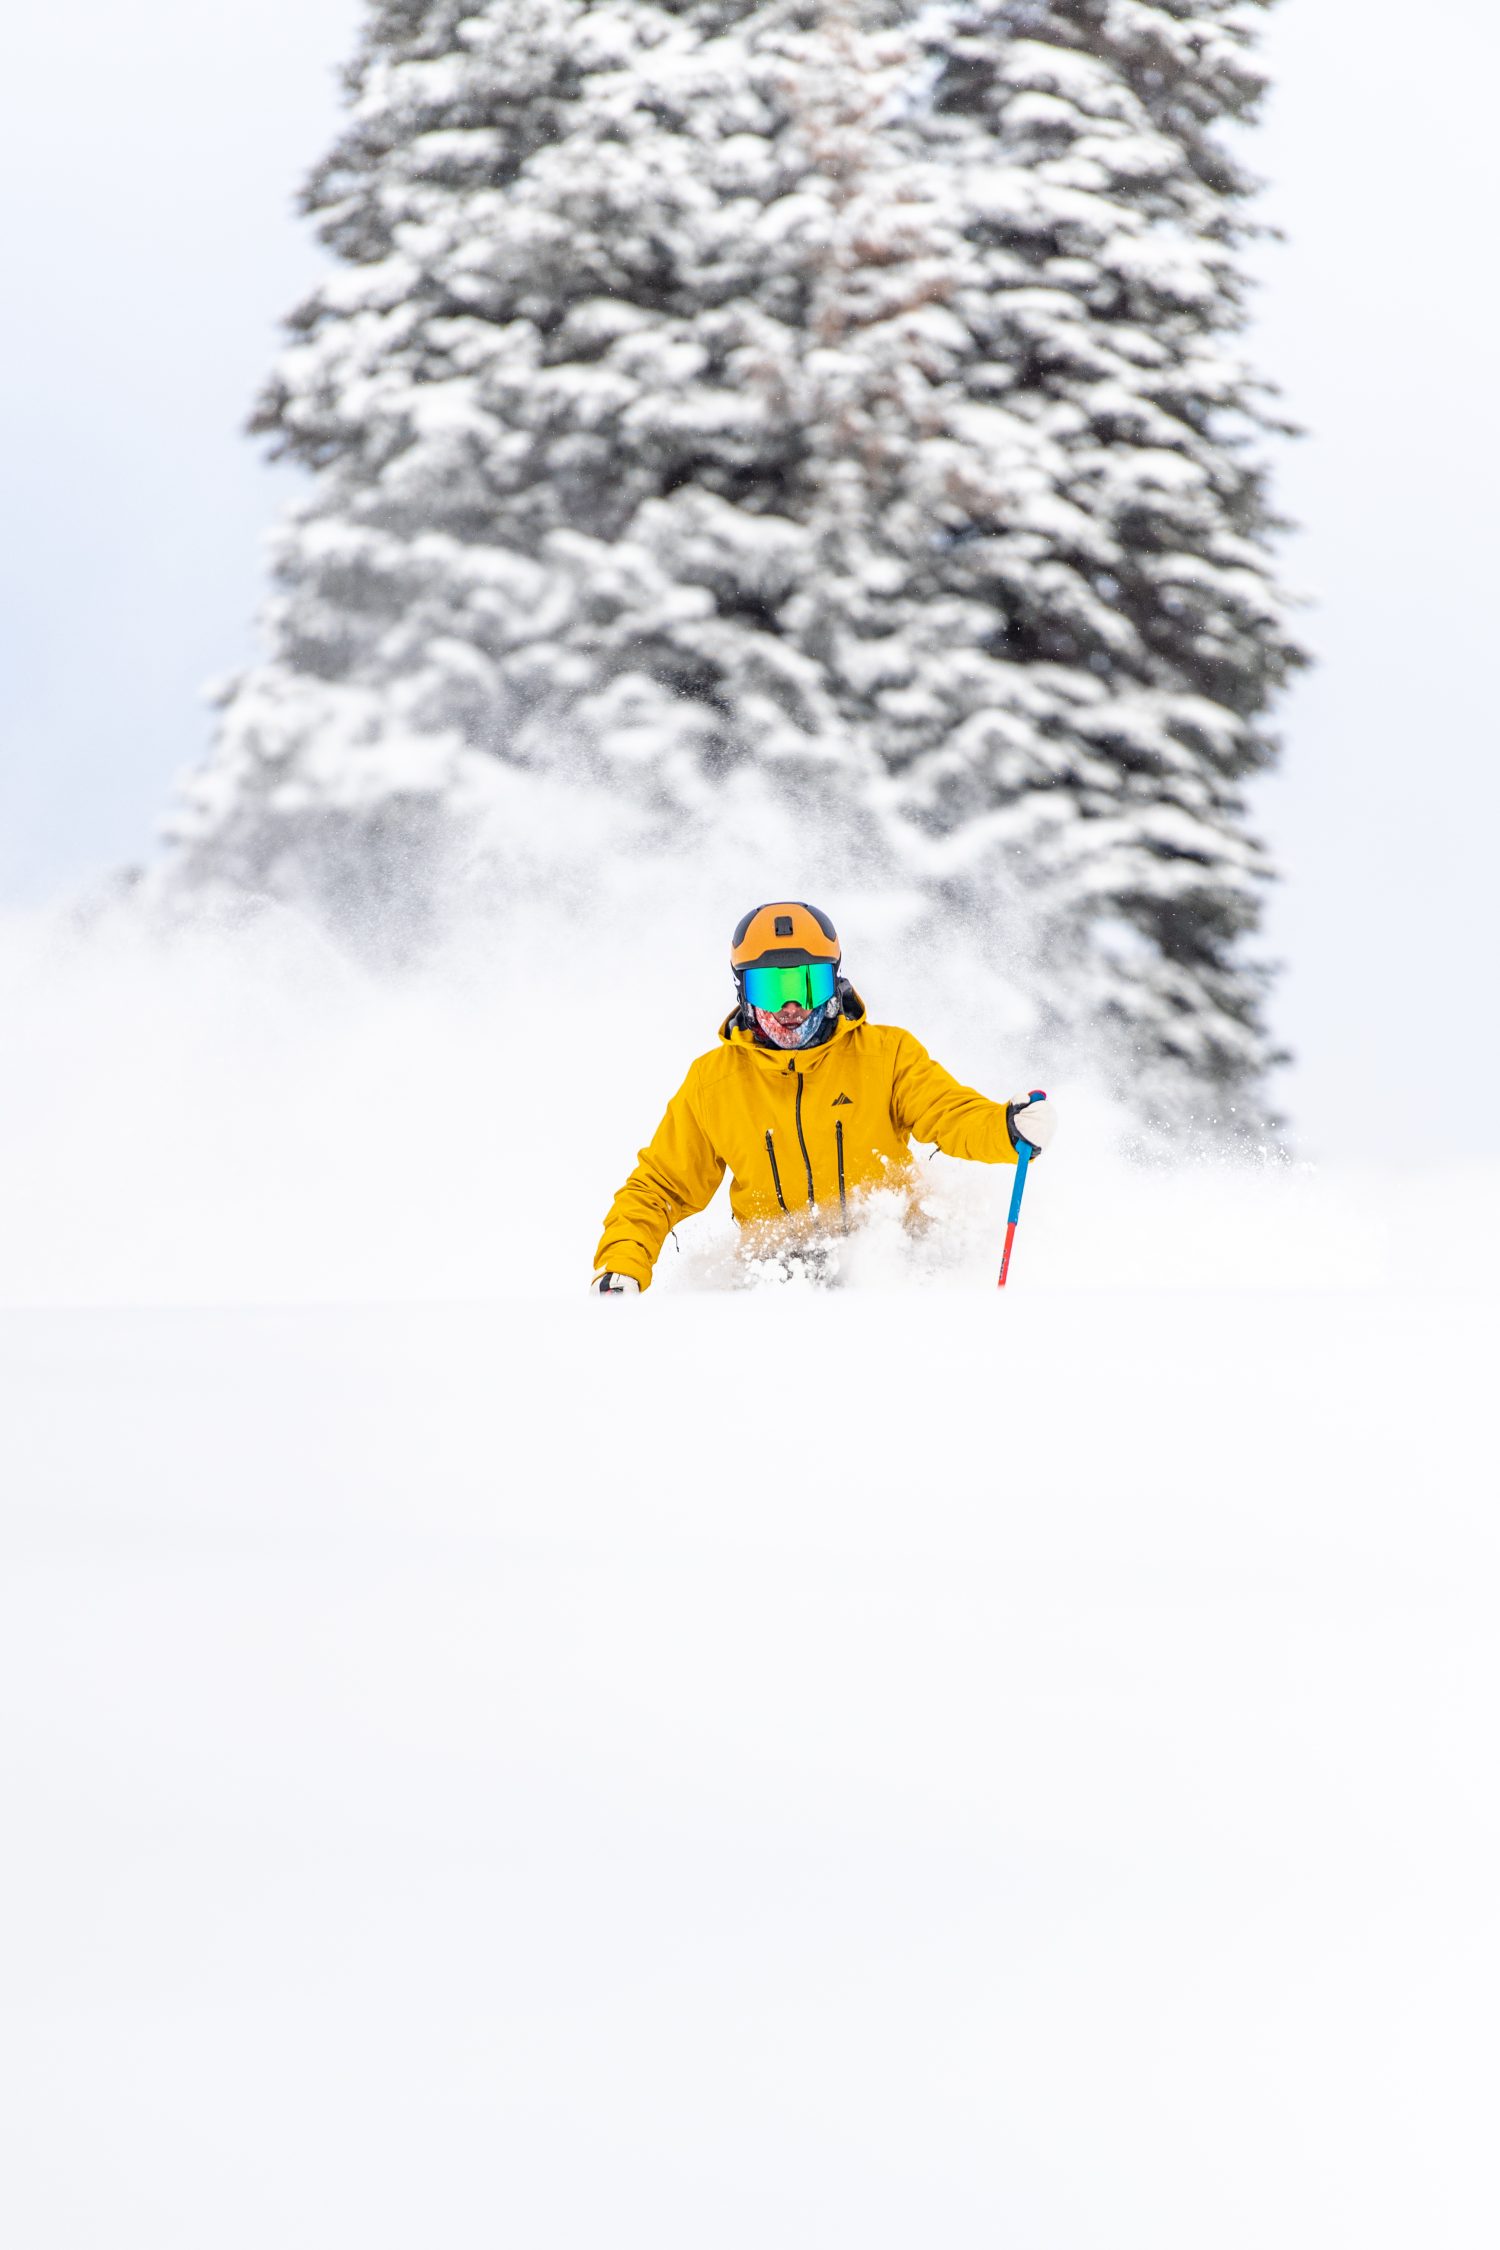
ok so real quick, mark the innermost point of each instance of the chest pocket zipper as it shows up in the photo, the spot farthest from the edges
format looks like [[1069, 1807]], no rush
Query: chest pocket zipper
[[775, 1171], [838, 1142], [812, 1200]]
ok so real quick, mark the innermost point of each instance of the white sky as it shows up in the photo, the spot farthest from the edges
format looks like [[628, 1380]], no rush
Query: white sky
[[147, 162]]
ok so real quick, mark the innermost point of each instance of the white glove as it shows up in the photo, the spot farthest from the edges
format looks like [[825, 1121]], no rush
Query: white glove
[[614, 1285], [1033, 1120]]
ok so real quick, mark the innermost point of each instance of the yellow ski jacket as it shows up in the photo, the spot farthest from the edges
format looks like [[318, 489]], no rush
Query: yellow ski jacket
[[799, 1130]]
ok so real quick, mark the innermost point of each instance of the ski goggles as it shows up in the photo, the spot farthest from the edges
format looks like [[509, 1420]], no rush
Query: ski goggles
[[811, 984]]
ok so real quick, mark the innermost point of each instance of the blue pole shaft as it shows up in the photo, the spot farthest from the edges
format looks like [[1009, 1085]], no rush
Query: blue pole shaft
[[1023, 1158]]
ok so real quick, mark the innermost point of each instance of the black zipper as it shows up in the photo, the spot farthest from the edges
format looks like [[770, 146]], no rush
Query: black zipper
[[812, 1201], [838, 1137], [775, 1174]]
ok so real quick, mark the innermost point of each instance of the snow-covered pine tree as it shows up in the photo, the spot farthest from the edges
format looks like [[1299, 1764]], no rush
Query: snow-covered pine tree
[[839, 391]]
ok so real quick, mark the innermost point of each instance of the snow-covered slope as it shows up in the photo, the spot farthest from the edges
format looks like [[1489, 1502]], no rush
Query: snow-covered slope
[[749, 1768]]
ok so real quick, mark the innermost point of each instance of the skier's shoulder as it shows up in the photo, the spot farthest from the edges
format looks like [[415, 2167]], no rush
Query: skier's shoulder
[[727, 1055], [896, 1043]]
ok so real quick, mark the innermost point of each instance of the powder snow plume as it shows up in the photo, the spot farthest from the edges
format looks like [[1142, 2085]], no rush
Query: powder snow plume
[[228, 1105], [753, 1765]]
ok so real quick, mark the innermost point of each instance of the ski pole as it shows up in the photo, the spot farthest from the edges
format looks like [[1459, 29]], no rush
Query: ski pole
[[1024, 1154]]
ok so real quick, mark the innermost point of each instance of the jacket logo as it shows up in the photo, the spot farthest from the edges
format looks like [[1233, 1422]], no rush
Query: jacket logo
[[841, 1101]]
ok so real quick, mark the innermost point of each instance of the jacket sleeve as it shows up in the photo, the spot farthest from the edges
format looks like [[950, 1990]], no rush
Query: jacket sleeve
[[931, 1106], [676, 1176]]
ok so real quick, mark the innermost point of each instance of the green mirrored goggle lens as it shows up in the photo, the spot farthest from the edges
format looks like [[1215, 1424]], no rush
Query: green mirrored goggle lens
[[810, 985]]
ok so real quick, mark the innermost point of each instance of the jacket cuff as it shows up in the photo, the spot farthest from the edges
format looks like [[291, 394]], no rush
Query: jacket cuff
[[625, 1261]]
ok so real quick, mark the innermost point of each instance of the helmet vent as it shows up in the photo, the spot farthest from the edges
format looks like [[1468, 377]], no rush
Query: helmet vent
[[783, 925]]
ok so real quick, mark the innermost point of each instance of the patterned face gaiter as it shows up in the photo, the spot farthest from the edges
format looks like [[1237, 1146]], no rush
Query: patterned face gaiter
[[811, 1032]]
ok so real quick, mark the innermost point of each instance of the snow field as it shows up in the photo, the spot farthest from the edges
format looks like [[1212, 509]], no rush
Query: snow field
[[752, 1766], [471, 1774]]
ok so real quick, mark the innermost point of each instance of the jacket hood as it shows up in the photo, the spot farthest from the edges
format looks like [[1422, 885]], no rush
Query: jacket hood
[[732, 1033]]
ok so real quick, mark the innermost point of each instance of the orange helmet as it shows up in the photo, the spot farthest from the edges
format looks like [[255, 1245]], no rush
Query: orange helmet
[[782, 953], [786, 934]]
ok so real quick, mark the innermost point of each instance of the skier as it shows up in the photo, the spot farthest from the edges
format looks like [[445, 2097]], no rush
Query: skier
[[803, 1101]]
